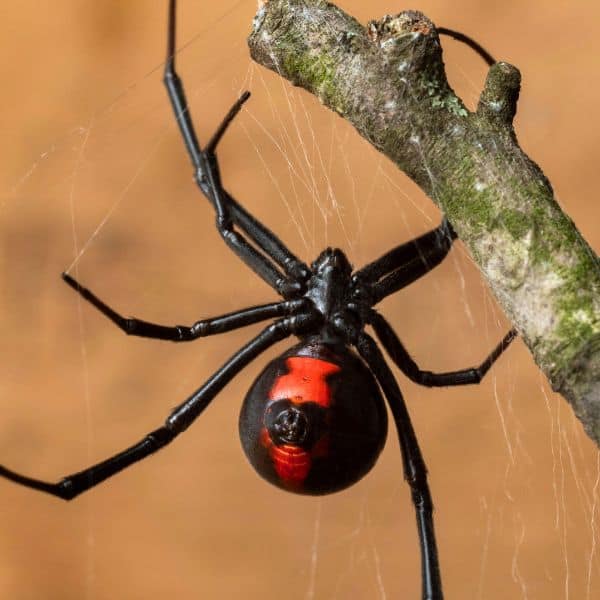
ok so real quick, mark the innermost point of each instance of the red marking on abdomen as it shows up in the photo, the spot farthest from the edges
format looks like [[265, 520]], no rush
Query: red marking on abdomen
[[291, 463], [305, 381]]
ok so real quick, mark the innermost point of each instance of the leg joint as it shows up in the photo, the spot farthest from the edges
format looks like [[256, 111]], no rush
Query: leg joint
[[66, 490], [130, 326], [289, 288]]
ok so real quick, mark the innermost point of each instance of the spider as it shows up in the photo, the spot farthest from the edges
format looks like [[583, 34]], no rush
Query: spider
[[314, 421]]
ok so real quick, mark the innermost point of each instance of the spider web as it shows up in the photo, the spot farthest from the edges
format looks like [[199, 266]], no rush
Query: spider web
[[514, 479]]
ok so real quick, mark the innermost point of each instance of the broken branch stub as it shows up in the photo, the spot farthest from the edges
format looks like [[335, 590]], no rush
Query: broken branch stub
[[388, 80]]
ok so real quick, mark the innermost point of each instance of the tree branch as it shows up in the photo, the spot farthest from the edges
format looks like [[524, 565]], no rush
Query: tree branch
[[388, 80]]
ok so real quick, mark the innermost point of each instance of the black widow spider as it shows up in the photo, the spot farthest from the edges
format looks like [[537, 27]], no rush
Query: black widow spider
[[314, 421]]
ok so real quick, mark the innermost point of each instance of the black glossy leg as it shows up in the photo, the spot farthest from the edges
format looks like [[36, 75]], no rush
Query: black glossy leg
[[408, 262], [409, 367], [465, 39], [225, 204], [254, 259], [415, 471], [177, 422], [436, 242], [182, 333]]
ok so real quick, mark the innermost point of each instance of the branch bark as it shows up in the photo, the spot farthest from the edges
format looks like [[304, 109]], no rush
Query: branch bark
[[388, 80]]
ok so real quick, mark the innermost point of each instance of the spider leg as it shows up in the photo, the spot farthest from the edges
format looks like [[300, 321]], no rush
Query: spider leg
[[434, 242], [255, 260], [415, 471], [177, 422], [206, 174], [407, 262], [465, 39], [182, 333], [408, 366]]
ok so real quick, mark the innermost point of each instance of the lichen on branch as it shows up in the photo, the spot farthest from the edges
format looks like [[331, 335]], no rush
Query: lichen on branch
[[388, 80]]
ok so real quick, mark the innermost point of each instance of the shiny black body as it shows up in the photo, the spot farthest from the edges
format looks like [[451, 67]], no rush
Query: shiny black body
[[327, 306]]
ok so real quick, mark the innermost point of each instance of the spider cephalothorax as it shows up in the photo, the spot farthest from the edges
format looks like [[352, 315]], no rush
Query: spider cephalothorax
[[314, 421], [340, 298]]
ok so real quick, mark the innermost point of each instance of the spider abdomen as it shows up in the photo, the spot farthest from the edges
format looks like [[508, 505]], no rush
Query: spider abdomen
[[314, 421]]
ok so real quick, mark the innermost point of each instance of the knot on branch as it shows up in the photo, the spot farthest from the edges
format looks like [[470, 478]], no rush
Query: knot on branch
[[409, 21], [408, 38], [498, 100]]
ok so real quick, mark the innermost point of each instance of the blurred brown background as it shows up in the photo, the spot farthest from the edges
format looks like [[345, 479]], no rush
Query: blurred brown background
[[92, 160]]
